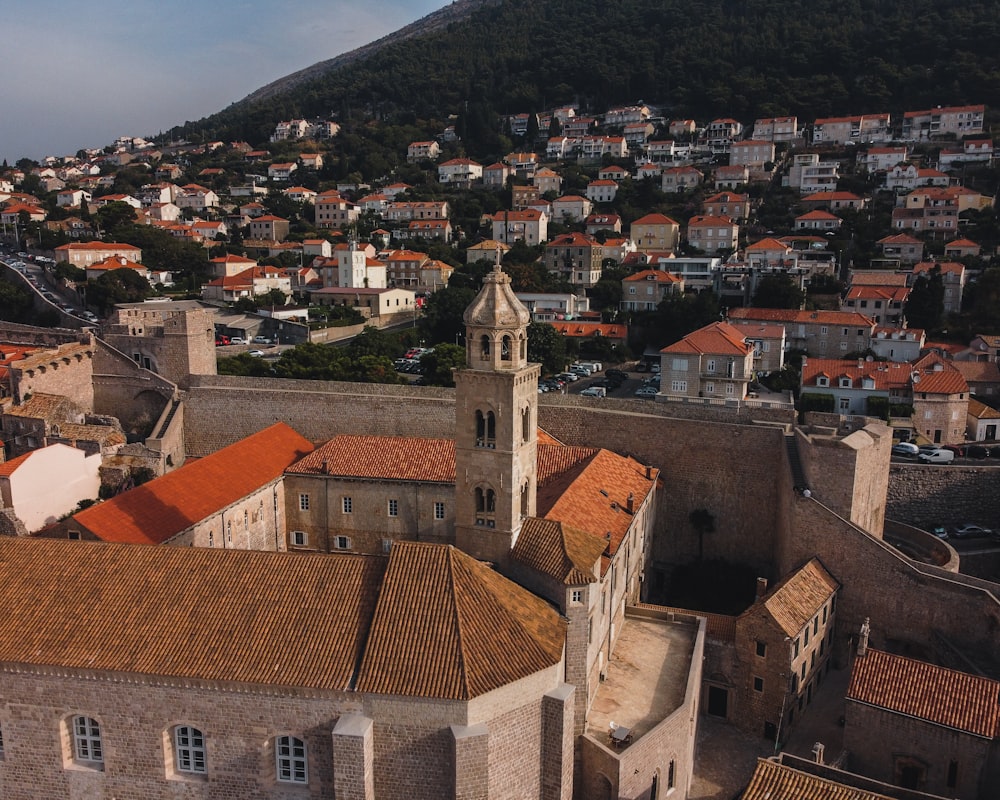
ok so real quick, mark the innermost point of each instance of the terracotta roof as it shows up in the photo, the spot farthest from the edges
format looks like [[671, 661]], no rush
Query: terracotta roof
[[654, 219], [588, 489], [544, 437], [392, 458], [577, 329], [448, 626], [945, 380], [947, 267], [560, 551], [924, 691], [156, 511], [53, 408], [767, 244], [886, 375], [899, 238], [718, 338], [275, 618], [892, 294], [978, 371], [976, 409], [799, 597], [802, 317], [871, 277], [656, 275], [818, 214], [826, 197], [774, 781], [8, 468]]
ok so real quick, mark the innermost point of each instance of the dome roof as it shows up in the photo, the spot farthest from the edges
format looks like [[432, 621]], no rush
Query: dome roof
[[496, 305]]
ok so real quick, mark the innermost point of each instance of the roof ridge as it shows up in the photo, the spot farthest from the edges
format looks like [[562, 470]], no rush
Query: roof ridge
[[457, 612]]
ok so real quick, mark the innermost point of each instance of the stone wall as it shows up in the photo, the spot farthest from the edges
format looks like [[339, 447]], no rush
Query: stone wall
[[925, 495], [123, 389]]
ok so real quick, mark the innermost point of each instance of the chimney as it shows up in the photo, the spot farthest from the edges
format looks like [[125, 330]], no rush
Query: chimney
[[630, 503], [817, 751], [649, 473], [761, 588], [863, 638], [326, 467]]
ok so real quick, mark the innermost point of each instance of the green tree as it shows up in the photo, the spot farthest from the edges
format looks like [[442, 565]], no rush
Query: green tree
[[442, 319], [16, 304], [546, 346], [117, 286], [777, 291], [438, 364], [114, 217], [925, 305]]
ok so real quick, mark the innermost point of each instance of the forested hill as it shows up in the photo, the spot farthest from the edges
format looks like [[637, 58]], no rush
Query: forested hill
[[697, 58]]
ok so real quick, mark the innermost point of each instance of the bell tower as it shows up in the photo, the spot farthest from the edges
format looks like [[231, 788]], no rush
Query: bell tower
[[496, 426]]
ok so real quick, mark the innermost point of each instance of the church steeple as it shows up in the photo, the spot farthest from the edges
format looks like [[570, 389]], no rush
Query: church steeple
[[496, 423]]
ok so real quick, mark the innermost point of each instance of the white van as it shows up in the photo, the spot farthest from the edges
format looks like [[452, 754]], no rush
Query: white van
[[939, 456]]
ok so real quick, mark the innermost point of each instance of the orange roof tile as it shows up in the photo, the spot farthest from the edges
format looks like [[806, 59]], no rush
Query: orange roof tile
[[276, 618], [156, 511], [8, 468], [802, 317], [717, 338], [393, 458], [448, 626], [774, 781], [560, 551], [936, 694], [799, 597], [886, 375]]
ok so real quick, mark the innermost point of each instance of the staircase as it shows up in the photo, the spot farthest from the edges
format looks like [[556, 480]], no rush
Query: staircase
[[794, 461], [174, 405]]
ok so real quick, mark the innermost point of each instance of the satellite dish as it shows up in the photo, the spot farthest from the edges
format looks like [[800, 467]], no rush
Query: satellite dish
[[869, 359], [915, 377]]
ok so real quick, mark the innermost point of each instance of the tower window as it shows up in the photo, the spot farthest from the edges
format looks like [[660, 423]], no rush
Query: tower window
[[505, 348], [484, 347], [486, 429], [486, 502]]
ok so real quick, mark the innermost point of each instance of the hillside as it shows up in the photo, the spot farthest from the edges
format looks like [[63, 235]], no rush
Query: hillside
[[701, 58]]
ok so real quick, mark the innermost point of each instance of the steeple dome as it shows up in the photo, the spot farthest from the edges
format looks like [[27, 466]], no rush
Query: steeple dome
[[496, 306]]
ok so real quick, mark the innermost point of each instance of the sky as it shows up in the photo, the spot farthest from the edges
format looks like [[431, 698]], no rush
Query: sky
[[80, 74]]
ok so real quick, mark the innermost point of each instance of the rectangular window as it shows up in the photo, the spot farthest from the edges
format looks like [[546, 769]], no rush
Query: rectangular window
[[758, 684], [303, 502], [709, 388], [576, 596], [189, 747], [439, 510], [815, 626], [730, 388], [679, 365], [761, 649], [341, 543], [952, 774], [347, 505], [710, 365], [678, 386], [299, 538], [87, 740], [393, 508], [795, 648]]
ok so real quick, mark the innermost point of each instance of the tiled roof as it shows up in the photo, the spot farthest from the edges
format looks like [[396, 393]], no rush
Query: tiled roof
[[917, 689], [274, 618], [654, 219], [560, 551], [798, 598], [767, 244], [448, 626], [872, 277], [774, 781], [946, 267], [818, 214], [655, 275], [53, 408], [899, 238], [978, 371], [394, 458], [851, 318], [885, 375], [946, 380], [589, 489], [893, 294], [976, 409], [582, 329], [719, 338], [156, 511], [8, 468], [826, 197]]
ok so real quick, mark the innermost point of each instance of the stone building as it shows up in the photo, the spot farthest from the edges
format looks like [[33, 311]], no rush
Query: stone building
[[922, 726]]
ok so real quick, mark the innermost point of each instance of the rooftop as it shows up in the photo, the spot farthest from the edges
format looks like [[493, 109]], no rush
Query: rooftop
[[647, 677]]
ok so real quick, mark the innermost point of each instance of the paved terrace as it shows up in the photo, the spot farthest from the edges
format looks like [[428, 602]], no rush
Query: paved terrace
[[646, 677]]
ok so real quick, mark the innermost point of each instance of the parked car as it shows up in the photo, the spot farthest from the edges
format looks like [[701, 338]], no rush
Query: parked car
[[938, 456], [568, 377], [969, 531], [977, 451], [646, 391], [617, 374], [261, 340], [939, 531], [956, 449], [905, 449], [594, 391], [237, 340], [256, 353]]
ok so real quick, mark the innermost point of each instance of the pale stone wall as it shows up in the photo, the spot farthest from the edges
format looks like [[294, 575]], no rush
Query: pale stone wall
[[927, 495]]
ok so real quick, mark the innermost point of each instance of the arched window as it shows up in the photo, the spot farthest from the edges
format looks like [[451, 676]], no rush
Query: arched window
[[189, 750], [486, 503], [87, 746], [290, 760], [505, 347], [486, 429], [484, 347]]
